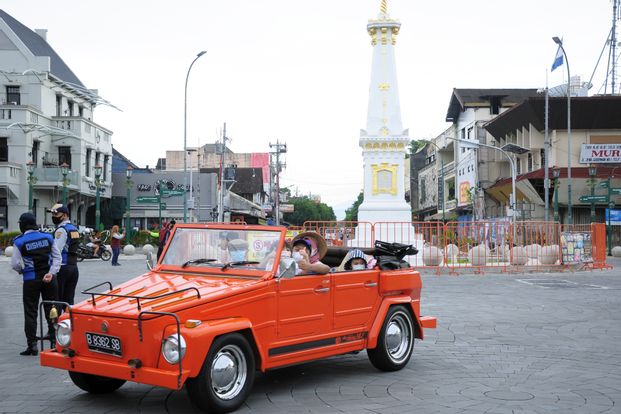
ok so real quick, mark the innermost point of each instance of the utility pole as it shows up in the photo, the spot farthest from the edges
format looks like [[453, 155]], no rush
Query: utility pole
[[221, 177], [280, 149]]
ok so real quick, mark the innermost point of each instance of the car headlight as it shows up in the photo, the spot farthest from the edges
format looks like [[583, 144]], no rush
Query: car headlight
[[63, 333], [172, 350]]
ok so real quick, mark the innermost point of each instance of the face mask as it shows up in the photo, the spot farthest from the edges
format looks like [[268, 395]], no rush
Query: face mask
[[57, 220], [358, 267], [238, 255], [296, 256]]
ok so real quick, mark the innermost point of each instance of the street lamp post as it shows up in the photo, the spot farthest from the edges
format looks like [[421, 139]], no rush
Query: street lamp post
[[592, 175], [570, 218], [30, 167], [556, 173], [98, 169], [128, 174], [185, 139], [64, 170]]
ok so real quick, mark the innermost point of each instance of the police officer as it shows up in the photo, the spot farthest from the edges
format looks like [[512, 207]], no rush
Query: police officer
[[37, 258], [67, 239]]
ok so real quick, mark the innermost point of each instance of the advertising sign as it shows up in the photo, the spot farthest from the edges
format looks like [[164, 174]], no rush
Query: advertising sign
[[600, 153], [615, 217], [576, 247]]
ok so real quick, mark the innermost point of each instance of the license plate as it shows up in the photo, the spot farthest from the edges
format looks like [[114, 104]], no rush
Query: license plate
[[103, 343]]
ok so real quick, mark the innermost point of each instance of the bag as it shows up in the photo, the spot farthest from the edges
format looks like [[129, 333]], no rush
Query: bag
[[390, 255], [391, 263]]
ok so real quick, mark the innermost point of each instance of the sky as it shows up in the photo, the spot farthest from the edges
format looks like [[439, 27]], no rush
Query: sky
[[299, 71]]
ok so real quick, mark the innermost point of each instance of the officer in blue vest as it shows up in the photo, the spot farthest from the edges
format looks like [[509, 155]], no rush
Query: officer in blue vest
[[38, 260], [67, 239]]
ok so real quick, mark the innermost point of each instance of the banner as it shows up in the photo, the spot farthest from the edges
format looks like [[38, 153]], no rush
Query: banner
[[600, 153], [576, 247]]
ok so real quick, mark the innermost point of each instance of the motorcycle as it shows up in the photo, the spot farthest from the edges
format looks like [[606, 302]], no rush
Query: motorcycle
[[85, 252]]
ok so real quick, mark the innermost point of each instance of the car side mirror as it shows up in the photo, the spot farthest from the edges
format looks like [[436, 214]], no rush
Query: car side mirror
[[150, 262], [288, 267]]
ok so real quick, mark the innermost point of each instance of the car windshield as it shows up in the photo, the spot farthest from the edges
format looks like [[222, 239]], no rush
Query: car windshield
[[215, 248]]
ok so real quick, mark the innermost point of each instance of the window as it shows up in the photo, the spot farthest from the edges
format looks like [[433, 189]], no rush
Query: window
[[81, 112], [97, 157], [494, 105], [70, 108], [35, 152], [4, 149], [469, 135], [3, 213], [13, 96], [59, 104], [530, 161], [518, 165], [88, 162], [542, 157], [450, 185], [105, 168], [463, 133], [64, 155]]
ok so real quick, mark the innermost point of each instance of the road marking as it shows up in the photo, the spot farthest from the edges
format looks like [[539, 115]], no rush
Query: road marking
[[550, 283]]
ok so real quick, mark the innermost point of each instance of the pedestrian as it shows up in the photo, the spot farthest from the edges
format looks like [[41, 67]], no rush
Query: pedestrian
[[115, 244], [67, 239], [38, 259]]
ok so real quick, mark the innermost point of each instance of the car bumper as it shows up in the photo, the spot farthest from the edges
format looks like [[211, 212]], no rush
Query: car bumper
[[88, 365]]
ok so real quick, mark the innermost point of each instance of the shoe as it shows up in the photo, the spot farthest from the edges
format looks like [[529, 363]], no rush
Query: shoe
[[31, 350]]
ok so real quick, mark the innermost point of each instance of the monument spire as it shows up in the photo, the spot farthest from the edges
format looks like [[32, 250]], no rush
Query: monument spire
[[384, 7]]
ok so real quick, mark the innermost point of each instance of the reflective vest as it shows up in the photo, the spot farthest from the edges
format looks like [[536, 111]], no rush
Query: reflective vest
[[36, 250], [70, 249]]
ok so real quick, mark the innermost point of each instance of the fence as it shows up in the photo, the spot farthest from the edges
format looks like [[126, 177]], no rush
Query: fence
[[479, 246]]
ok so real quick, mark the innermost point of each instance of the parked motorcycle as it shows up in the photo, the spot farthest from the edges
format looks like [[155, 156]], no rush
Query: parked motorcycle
[[86, 252]]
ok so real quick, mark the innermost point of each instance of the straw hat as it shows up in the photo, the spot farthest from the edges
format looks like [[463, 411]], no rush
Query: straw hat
[[318, 245]]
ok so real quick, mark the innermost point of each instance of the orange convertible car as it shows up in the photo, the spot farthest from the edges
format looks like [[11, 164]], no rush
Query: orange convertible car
[[222, 302]]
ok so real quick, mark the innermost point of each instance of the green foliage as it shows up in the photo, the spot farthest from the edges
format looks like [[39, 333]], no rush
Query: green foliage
[[306, 209], [415, 145], [351, 214], [6, 239]]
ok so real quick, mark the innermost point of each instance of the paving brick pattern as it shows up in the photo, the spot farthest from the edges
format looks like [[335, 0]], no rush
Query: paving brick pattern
[[543, 343]]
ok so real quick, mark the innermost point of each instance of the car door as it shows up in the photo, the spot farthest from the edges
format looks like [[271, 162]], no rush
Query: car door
[[304, 306], [355, 298]]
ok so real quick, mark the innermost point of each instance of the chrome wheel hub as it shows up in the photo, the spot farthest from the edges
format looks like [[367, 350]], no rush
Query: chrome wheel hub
[[398, 337], [228, 372]]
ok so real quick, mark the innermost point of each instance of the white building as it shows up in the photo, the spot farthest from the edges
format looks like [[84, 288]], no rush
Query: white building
[[46, 117]]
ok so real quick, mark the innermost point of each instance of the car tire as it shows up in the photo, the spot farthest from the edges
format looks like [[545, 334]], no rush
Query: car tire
[[395, 342], [227, 375], [106, 255], [95, 384]]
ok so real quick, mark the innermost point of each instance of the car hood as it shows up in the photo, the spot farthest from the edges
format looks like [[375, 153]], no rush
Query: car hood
[[162, 292]]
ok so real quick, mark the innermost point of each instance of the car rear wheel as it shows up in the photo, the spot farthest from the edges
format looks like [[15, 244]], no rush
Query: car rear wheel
[[396, 341], [94, 383], [227, 375]]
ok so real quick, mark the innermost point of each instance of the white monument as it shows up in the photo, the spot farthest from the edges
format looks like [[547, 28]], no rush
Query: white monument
[[384, 142], [384, 146]]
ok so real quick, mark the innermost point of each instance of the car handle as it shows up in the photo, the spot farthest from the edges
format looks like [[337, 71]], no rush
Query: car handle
[[370, 284], [322, 290]]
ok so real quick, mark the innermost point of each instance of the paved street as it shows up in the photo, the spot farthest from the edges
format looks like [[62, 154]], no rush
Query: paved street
[[524, 343]]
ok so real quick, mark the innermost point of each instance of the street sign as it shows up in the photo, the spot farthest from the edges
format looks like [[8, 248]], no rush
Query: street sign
[[615, 191], [163, 206], [169, 193], [148, 199], [595, 199], [603, 184]]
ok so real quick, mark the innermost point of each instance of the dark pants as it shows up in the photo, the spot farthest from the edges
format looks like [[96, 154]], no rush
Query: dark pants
[[67, 281], [115, 255], [31, 292]]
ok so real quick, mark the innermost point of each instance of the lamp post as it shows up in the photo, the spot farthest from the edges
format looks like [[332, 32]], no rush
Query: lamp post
[[185, 139], [556, 173], [30, 167], [128, 182], [64, 170], [97, 185], [570, 217], [592, 175]]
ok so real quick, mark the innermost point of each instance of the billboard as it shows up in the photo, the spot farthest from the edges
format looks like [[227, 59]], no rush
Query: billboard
[[600, 153]]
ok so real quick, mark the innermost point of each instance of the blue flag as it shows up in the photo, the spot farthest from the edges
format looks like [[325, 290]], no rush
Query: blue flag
[[558, 59]]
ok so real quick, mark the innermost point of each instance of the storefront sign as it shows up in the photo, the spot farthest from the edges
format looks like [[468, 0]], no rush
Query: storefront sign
[[600, 153], [615, 217]]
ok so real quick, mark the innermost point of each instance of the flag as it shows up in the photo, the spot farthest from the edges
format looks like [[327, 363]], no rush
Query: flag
[[558, 59]]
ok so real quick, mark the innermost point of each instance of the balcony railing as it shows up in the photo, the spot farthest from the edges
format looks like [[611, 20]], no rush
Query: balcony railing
[[53, 175]]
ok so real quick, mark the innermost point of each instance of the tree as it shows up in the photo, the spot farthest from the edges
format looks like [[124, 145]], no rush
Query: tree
[[351, 214], [306, 209], [415, 145]]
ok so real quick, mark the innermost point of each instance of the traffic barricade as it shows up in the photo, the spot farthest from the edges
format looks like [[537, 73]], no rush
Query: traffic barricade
[[535, 246], [343, 233]]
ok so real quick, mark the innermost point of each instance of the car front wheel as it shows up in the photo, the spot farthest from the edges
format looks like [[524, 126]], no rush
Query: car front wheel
[[395, 342], [94, 383], [227, 375]]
